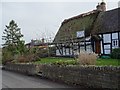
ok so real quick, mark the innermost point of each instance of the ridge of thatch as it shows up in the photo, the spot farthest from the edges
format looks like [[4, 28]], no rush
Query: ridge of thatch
[[79, 16]]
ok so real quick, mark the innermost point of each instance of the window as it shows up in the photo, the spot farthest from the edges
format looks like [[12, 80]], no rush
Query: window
[[114, 43], [89, 48], [114, 35], [107, 49], [107, 38], [82, 48]]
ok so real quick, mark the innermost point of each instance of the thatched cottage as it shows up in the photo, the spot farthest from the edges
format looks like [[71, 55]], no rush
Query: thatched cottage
[[95, 31]]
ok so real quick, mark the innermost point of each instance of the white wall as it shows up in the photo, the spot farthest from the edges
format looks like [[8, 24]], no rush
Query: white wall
[[101, 47], [67, 51], [57, 52]]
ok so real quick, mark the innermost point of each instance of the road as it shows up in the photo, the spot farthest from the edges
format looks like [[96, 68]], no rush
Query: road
[[16, 80]]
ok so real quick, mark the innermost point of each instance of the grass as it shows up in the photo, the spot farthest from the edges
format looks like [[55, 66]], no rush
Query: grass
[[114, 62], [99, 62], [53, 60]]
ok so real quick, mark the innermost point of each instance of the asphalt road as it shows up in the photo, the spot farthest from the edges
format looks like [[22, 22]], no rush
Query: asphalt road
[[16, 80]]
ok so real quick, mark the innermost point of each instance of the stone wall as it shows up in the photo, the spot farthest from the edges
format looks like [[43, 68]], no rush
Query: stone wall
[[88, 76], [29, 69]]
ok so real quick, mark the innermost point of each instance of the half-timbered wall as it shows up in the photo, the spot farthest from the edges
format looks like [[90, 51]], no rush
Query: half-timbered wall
[[74, 48], [109, 41]]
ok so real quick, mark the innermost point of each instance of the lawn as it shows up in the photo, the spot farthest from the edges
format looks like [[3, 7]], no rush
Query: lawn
[[99, 62], [113, 62], [53, 60]]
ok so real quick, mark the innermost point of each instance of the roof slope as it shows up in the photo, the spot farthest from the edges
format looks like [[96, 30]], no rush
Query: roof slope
[[69, 27], [107, 22]]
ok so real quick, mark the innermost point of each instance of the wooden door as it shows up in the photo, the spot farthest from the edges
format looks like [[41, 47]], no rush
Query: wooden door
[[97, 47]]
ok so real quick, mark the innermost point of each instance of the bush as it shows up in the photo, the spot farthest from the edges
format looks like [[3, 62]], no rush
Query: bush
[[85, 58], [68, 62], [26, 58], [115, 53], [7, 56]]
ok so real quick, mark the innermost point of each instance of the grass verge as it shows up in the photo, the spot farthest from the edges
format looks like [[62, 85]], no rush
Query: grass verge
[[99, 62]]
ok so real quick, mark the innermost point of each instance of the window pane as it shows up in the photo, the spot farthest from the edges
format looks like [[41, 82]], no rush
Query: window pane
[[82, 48], [107, 38], [107, 51], [115, 43], [114, 35], [106, 46], [89, 48]]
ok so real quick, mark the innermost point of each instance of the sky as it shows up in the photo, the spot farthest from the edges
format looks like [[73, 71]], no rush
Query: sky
[[42, 19]]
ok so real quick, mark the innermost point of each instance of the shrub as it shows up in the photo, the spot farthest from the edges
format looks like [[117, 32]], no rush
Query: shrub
[[85, 58], [68, 62], [26, 58], [115, 53], [7, 56]]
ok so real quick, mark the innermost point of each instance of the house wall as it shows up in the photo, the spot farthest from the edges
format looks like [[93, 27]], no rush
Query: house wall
[[109, 42], [76, 48]]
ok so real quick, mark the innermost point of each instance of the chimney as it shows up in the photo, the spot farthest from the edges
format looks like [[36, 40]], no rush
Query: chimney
[[103, 6], [43, 40], [98, 7], [32, 42]]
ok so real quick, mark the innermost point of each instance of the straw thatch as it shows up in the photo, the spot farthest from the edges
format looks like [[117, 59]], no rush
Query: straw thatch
[[107, 22], [93, 23], [69, 27]]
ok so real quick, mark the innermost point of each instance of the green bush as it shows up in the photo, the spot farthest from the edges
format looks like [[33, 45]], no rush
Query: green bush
[[115, 53], [7, 56], [70, 62]]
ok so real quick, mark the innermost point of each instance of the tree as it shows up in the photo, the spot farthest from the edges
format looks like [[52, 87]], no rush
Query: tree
[[12, 37]]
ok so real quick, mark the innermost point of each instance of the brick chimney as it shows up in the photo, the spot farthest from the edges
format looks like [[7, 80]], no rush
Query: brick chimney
[[98, 7], [101, 6]]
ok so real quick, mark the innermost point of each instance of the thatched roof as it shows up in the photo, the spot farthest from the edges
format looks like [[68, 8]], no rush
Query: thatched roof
[[69, 27], [93, 23], [107, 22]]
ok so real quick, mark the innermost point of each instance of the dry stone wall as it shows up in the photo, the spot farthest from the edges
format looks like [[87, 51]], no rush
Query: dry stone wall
[[88, 76]]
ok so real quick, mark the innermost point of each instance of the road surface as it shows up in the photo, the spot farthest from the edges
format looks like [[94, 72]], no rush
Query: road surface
[[16, 80]]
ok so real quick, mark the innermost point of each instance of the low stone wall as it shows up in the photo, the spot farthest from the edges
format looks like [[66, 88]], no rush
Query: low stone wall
[[88, 76], [29, 69]]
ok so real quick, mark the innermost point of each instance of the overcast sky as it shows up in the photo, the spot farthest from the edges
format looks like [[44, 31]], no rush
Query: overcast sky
[[42, 19]]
